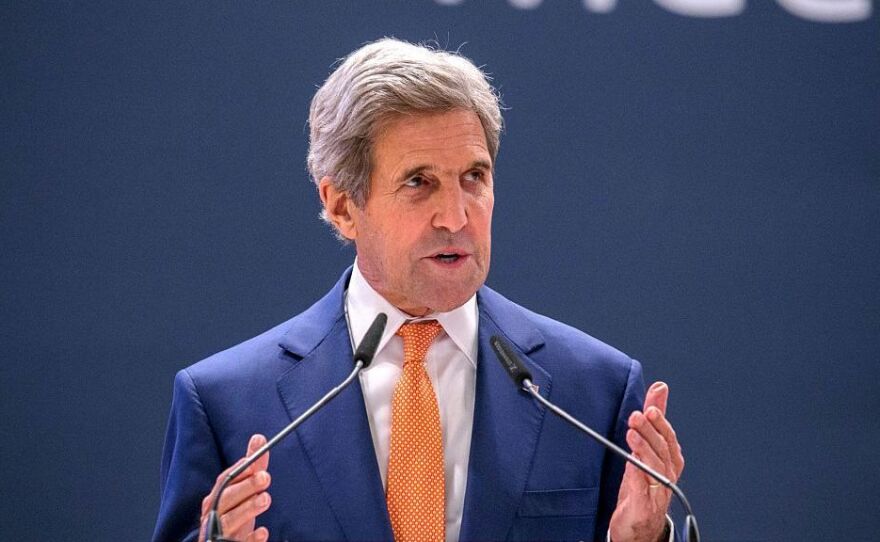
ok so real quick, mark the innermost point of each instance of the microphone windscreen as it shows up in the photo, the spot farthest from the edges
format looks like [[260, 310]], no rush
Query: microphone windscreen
[[510, 361], [370, 343]]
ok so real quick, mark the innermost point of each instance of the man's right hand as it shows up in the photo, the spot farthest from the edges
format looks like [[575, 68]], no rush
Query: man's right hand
[[243, 500]]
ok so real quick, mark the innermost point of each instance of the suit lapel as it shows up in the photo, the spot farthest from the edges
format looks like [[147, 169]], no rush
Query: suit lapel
[[506, 424], [336, 439], [339, 445]]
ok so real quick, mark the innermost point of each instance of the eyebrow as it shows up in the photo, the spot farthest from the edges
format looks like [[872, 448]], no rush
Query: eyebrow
[[476, 164], [481, 164]]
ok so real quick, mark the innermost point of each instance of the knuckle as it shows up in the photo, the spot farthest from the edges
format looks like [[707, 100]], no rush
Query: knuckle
[[260, 501], [226, 522]]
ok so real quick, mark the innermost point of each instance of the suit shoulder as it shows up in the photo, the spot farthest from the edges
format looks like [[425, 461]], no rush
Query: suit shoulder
[[571, 339], [279, 347], [245, 360], [561, 344]]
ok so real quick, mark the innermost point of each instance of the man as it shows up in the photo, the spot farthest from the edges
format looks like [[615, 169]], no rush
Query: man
[[433, 442]]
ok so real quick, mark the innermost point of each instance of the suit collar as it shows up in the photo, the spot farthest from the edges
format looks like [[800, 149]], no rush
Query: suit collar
[[308, 329], [510, 319]]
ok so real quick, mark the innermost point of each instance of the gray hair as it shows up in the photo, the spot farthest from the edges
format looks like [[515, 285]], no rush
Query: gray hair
[[377, 82]]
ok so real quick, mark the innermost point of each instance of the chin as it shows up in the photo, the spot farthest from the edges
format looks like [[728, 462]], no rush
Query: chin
[[446, 307], [446, 293], [446, 303]]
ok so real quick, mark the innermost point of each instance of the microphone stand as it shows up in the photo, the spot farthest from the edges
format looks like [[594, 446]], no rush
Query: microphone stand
[[692, 533], [363, 356], [214, 532], [522, 378]]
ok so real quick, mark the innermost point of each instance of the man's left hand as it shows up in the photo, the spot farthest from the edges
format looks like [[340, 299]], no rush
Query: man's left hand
[[640, 515]]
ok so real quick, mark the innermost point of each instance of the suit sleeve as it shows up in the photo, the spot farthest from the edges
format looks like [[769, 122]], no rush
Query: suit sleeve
[[190, 464], [632, 398]]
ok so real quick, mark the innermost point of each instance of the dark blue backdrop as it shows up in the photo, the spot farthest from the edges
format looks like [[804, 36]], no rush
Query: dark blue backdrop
[[703, 193]]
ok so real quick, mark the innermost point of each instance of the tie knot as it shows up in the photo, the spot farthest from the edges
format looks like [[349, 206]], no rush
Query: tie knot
[[417, 338]]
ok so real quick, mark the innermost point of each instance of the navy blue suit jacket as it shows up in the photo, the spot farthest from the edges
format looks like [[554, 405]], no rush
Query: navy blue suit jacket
[[530, 477]]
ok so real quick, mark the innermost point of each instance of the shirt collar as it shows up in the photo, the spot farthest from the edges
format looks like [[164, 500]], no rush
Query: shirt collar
[[363, 303]]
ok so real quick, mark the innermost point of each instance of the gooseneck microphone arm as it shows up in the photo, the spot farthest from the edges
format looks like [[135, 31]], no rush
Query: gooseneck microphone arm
[[523, 379], [363, 356]]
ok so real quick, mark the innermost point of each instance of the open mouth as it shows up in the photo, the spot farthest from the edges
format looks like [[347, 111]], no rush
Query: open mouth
[[447, 258]]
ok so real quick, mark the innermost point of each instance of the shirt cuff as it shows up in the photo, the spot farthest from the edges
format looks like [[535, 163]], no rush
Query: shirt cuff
[[669, 524]]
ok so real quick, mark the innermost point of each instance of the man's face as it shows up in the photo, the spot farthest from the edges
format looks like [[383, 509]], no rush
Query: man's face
[[423, 237]]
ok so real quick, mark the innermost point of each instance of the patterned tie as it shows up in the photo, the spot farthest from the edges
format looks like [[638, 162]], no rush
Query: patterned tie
[[416, 491]]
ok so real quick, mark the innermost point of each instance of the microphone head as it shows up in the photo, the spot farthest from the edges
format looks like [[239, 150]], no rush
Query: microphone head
[[510, 361], [370, 343]]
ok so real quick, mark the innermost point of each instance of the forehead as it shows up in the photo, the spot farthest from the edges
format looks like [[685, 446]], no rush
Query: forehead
[[447, 134]]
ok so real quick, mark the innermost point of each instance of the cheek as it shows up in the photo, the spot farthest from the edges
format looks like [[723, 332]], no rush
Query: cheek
[[483, 216], [487, 202], [399, 243]]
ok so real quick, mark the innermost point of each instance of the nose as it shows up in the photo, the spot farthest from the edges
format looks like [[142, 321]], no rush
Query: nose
[[450, 212]]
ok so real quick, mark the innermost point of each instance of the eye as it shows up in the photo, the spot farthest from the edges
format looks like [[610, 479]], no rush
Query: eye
[[475, 176], [415, 181]]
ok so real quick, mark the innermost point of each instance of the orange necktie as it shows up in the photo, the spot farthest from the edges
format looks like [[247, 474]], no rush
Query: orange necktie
[[416, 491]]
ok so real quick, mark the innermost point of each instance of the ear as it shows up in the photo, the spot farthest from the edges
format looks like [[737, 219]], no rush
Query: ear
[[339, 208]]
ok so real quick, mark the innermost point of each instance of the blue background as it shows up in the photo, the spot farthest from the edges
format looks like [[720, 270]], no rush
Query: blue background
[[703, 194]]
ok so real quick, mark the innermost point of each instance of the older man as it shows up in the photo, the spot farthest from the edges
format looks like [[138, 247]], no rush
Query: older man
[[433, 443]]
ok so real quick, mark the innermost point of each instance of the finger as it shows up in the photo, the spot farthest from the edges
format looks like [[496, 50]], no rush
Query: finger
[[260, 535], [254, 444], [645, 453], [209, 499], [662, 425], [258, 441], [658, 396], [644, 483], [247, 488], [245, 513], [652, 439], [639, 423]]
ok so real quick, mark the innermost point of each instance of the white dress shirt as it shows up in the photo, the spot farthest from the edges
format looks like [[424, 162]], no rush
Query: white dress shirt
[[451, 363]]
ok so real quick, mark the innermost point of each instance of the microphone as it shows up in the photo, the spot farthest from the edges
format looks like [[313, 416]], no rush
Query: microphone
[[370, 343], [363, 356], [523, 379]]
